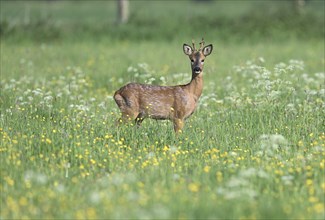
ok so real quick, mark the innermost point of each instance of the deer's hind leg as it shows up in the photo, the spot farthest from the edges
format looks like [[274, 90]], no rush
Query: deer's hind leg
[[178, 124], [128, 116], [128, 112]]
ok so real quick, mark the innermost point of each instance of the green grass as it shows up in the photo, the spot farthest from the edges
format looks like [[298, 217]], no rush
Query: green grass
[[63, 157], [254, 148]]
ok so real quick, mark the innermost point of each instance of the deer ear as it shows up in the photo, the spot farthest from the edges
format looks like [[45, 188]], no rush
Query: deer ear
[[207, 50], [187, 49]]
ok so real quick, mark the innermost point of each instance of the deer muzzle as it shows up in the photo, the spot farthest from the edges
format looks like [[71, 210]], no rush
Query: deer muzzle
[[197, 69]]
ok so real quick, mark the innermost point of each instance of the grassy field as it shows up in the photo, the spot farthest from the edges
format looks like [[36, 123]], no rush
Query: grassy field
[[254, 148]]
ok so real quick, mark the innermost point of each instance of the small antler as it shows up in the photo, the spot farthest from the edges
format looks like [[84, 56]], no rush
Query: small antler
[[201, 44], [193, 43]]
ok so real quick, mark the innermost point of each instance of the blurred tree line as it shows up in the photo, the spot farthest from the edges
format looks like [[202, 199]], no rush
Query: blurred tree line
[[166, 20], [123, 8]]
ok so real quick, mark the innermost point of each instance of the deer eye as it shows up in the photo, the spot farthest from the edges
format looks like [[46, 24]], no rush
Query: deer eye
[[202, 61], [192, 60]]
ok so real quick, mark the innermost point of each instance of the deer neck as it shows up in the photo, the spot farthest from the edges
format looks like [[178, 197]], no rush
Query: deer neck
[[195, 87]]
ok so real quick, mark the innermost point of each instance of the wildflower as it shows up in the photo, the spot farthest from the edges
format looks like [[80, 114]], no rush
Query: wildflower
[[309, 182], [23, 201], [287, 180], [206, 169], [272, 142], [9, 181], [319, 207], [219, 176], [48, 141], [173, 149], [193, 187], [95, 197], [48, 98], [313, 199]]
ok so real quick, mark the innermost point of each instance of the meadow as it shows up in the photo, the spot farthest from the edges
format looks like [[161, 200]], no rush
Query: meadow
[[254, 148]]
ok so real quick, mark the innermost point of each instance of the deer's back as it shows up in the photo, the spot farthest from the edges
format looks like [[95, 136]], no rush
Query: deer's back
[[160, 102]]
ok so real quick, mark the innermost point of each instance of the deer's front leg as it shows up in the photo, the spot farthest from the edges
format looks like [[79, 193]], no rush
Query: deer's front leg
[[178, 125]]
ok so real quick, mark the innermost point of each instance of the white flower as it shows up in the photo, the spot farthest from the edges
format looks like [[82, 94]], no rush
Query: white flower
[[130, 69], [150, 155], [37, 92], [172, 149], [35, 177], [48, 98], [273, 141], [261, 59], [287, 180], [60, 188], [95, 197]]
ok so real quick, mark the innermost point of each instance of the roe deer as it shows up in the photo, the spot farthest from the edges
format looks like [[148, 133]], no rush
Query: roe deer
[[176, 103]]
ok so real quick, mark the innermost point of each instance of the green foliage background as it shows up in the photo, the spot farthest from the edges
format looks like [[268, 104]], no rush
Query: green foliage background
[[162, 20]]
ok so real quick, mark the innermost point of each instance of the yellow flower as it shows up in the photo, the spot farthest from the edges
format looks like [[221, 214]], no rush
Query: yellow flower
[[48, 141], [319, 207], [323, 186], [278, 172], [91, 213], [9, 181], [145, 164], [219, 176], [23, 201], [206, 169], [166, 148], [322, 164], [140, 184], [313, 199], [193, 187], [309, 182]]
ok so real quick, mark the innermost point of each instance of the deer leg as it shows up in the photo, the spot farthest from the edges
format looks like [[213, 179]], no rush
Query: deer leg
[[139, 119], [128, 113], [127, 116], [178, 125]]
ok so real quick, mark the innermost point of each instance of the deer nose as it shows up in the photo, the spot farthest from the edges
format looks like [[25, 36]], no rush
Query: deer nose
[[197, 69]]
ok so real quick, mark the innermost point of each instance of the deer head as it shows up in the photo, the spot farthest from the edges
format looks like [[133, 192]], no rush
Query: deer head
[[197, 56]]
